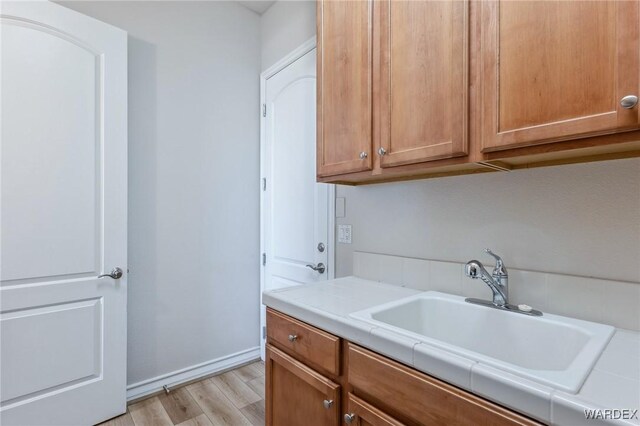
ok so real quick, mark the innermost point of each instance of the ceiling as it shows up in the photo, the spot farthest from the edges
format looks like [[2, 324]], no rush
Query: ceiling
[[258, 6]]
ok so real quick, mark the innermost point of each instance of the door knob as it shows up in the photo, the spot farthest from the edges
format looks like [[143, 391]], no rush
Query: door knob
[[116, 274], [318, 268], [327, 403], [628, 102], [363, 155], [382, 151], [349, 418]]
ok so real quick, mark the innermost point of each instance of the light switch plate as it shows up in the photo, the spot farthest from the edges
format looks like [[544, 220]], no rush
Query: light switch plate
[[344, 234]]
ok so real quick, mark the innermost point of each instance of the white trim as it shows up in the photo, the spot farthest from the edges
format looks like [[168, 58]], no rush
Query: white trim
[[295, 54], [331, 242], [155, 384]]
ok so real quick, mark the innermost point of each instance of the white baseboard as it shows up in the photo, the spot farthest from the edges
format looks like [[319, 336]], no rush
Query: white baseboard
[[155, 384]]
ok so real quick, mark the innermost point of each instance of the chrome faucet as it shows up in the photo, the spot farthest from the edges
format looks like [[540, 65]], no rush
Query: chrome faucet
[[498, 281]]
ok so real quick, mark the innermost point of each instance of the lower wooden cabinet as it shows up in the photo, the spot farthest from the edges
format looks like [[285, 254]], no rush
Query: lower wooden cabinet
[[360, 413], [414, 396], [365, 389], [298, 395]]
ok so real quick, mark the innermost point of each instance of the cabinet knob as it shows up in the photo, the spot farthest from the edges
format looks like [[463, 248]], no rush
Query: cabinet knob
[[328, 403], [363, 155], [348, 418], [293, 337], [382, 151], [628, 102]]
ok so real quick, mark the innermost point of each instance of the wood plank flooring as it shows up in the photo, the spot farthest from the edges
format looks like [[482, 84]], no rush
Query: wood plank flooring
[[233, 398]]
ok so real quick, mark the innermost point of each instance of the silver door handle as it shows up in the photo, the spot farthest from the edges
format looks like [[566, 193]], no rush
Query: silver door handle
[[318, 268], [116, 274]]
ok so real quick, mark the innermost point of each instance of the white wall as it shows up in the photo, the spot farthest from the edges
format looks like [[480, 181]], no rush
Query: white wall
[[581, 219], [193, 180], [285, 26]]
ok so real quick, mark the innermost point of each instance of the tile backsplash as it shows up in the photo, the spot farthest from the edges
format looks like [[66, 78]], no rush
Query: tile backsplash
[[611, 302]]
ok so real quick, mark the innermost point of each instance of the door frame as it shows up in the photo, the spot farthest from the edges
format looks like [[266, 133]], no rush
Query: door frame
[[287, 60]]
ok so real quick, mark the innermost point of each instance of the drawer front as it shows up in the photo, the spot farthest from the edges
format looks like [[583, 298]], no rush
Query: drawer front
[[364, 414], [307, 343], [409, 394]]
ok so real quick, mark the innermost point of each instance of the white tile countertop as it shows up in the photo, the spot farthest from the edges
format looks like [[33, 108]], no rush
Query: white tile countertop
[[613, 384]]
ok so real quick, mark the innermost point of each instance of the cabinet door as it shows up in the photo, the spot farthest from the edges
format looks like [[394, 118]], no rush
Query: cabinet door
[[557, 70], [297, 395], [359, 413], [423, 80], [344, 87]]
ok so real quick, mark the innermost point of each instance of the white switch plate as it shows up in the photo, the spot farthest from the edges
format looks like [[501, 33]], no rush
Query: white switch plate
[[344, 234]]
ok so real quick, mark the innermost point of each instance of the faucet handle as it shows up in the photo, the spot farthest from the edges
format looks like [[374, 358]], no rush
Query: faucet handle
[[500, 268], [489, 252]]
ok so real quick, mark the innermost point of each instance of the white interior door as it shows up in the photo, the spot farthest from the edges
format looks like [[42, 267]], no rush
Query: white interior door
[[63, 212], [296, 217]]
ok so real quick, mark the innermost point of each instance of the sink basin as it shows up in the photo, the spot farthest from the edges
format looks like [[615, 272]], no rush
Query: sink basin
[[553, 350]]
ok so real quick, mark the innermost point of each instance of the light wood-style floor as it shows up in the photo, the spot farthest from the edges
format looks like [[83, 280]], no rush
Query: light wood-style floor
[[233, 398]]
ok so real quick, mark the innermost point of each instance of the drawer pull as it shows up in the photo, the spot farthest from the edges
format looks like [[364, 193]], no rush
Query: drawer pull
[[293, 337], [349, 418], [327, 403], [629, 102]]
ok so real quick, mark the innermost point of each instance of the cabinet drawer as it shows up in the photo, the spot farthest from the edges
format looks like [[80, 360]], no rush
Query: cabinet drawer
[[362, 414], [409, 394], [308, 343]]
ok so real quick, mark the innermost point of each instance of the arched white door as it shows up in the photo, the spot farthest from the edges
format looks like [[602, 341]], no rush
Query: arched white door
[[297, 211], [63, 210]]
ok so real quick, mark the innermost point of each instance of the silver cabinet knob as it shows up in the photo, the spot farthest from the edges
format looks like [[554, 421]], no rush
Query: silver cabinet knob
[[629, 102], [116, 274], [363, 155], [318, 268], [327, 403], [382, 151], [348, 418], [293, 337]]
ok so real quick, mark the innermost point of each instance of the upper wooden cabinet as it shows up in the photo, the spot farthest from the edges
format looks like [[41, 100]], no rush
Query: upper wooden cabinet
[[422, 80], [557, 70], [423, 88], [344, 86]]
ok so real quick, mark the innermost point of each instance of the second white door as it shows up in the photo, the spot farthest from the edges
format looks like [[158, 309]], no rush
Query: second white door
[[296, 216]]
